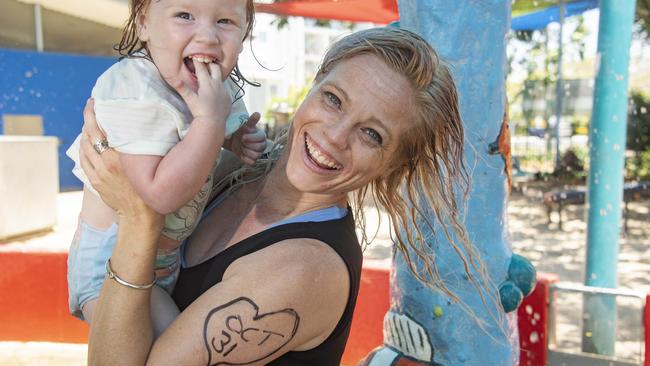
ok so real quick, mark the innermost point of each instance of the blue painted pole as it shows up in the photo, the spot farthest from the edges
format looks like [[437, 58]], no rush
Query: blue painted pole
[[426, 325], [605, 186]]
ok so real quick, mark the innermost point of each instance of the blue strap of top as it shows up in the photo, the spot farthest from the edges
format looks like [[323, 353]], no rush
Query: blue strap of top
[[323, 214]]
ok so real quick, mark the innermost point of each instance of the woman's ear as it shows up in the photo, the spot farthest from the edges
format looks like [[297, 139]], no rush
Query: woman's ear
[[141, 27]]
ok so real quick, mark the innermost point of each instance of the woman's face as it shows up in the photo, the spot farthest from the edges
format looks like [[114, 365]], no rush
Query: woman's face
[[347, 129]]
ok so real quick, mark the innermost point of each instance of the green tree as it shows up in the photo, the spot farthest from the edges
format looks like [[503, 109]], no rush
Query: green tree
[[643, 18], [638, 137], [638, 125]]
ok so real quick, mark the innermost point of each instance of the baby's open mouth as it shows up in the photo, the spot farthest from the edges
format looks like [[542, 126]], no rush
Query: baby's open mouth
[[200, 58]]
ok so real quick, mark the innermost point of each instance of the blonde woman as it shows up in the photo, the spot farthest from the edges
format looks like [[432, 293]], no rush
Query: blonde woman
[[271, 274]]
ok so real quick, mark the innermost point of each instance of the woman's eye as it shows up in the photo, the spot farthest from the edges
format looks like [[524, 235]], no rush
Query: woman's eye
[[373, 135], [333, 100], [184, 15], [225, 21]]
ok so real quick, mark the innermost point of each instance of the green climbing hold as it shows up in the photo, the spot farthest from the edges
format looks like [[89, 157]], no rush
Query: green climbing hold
[[437, 311]]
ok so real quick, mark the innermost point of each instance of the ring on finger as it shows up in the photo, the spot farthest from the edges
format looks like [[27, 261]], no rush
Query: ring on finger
[[100, 145]]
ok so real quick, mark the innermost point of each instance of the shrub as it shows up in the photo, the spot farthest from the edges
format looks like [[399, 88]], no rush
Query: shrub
[[638, 167], [638, 123]]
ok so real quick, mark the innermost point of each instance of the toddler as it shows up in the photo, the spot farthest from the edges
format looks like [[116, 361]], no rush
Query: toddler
[[167, 107]]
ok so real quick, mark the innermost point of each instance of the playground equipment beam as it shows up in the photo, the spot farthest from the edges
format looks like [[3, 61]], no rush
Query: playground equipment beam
[[38, 27], [605, 185], [427, 325], [559, 90]]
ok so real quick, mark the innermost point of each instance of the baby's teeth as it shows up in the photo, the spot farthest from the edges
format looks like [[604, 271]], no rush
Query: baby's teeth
[[201, 59]]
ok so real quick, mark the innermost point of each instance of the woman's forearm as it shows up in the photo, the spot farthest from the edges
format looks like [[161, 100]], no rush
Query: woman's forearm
[[121, 331]]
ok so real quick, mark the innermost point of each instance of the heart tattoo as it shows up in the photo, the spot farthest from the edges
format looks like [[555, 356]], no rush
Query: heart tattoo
[[236, 333]]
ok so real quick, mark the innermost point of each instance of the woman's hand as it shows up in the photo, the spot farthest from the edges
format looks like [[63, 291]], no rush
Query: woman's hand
[[104, 171]]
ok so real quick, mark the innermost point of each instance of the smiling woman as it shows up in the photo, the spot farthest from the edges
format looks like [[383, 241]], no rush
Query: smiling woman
[[271, 273]]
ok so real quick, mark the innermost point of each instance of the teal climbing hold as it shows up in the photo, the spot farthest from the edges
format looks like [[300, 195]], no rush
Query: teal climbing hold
[[522, 273], [510, 296]]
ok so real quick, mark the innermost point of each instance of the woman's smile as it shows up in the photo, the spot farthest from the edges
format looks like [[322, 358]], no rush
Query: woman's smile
[[318, 156]]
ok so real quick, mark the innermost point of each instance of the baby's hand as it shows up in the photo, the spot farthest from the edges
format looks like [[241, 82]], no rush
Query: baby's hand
[[249, 142], [211, 100]]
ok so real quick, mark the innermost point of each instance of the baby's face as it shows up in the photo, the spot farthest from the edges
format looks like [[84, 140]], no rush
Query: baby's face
[[207, 30]]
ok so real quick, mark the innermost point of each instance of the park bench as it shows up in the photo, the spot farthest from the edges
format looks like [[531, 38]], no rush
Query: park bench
[[558, 198]]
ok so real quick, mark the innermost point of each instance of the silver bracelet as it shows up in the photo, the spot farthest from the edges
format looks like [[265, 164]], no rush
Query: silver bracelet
[[114, 276]]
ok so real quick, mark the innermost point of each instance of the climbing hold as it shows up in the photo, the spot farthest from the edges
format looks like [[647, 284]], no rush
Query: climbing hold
[[510, 296], [437, 311], [522, 273]]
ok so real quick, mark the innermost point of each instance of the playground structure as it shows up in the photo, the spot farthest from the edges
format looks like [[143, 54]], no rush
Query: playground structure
[[559, 198], [532, 341]]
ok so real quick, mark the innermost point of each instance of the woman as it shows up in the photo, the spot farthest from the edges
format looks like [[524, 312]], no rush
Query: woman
[[271, 274]]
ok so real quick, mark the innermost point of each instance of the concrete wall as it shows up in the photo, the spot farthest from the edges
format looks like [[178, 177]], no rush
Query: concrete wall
[[54, 86], [30, 183]]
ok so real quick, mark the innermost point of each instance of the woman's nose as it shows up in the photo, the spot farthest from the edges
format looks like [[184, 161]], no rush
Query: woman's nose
[[338, 134]]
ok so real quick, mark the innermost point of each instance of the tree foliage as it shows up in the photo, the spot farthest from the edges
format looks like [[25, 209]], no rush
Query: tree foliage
[[638, 123], [643, 18]]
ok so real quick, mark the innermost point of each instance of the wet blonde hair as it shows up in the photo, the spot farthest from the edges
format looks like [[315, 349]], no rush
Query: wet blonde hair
[[426, 170]]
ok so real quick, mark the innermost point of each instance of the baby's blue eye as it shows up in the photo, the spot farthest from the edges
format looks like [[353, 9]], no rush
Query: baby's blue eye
[[373, 135], [184, 15]]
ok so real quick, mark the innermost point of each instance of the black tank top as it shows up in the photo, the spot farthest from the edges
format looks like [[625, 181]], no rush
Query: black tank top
[[338, 234]]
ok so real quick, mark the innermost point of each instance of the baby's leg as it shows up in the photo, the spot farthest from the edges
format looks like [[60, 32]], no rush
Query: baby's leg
[[87, 258], [163, 310], [88, 310]]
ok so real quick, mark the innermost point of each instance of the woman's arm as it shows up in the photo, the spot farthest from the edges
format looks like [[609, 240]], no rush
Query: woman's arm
[[122, 332], [288, 296]]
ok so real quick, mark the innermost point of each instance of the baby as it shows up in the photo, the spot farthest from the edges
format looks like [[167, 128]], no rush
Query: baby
[[167, 107]]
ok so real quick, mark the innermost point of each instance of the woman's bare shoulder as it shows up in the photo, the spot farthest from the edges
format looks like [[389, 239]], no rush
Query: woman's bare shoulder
[[307, 258]]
